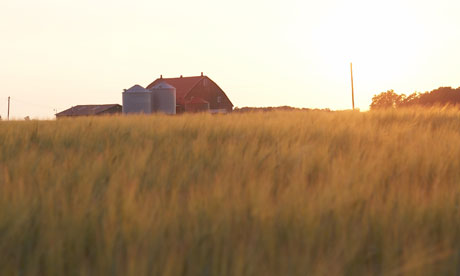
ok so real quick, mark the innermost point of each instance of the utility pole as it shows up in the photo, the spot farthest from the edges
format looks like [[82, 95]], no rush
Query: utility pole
[[352, 89], [8, 108]]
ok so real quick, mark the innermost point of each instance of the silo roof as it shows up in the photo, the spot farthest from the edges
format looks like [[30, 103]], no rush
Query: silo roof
[[163, 85], [137, 89]]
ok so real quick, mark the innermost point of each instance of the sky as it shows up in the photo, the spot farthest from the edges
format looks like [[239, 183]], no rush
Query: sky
[[55, 54]]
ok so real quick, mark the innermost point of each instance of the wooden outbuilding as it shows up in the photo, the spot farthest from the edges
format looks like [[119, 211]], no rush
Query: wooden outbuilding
[[90, 110]]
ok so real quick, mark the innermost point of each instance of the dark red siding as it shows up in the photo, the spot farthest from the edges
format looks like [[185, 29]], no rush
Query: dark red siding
[[208, 90]]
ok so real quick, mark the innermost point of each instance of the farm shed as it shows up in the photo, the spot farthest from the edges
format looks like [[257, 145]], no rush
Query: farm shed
[[90, 110], [197, 91]]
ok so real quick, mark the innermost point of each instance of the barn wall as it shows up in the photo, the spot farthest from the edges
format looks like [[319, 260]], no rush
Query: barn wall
[[196, 107], [209, 91]]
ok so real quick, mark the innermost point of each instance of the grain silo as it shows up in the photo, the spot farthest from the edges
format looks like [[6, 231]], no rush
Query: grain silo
[[164, 98], [137, 99]]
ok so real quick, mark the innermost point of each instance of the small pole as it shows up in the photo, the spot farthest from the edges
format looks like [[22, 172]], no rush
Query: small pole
[[352, 89], [8, 108]]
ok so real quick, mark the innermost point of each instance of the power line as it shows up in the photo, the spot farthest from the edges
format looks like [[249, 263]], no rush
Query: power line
[[47, 107], [34, 104], [12, 100]]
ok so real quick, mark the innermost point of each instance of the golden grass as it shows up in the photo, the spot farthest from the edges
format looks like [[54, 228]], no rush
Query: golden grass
[[278, 193]]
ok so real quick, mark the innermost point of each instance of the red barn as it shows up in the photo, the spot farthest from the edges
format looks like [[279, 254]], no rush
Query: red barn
[[197, 94]]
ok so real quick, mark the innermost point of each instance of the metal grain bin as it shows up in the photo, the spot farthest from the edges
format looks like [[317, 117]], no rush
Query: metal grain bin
[[164, 98], [137, 99]]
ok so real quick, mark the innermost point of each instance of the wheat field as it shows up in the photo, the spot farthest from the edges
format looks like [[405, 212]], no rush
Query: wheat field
[[262, 193]]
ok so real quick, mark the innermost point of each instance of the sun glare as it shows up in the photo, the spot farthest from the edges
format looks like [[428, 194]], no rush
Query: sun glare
[[384, 41]]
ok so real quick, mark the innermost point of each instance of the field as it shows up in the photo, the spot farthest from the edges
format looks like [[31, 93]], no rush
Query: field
[[274, 193]]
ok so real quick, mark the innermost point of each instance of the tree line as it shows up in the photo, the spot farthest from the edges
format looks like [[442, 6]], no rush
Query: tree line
[[438, 97], [275, 108]]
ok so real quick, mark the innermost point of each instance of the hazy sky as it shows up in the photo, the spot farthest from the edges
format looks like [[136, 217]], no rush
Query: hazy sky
[[59, 53]]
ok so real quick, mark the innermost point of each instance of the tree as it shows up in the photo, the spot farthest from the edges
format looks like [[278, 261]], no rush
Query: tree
[[441, 96], [406, 101], [438, 97], [387, 99]]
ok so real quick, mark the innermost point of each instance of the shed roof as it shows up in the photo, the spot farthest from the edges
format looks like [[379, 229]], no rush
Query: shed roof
[[86, 110]]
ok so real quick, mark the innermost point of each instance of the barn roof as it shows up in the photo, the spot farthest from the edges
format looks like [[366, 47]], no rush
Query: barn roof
[[162, 85], [183, 85], [86, 110]]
